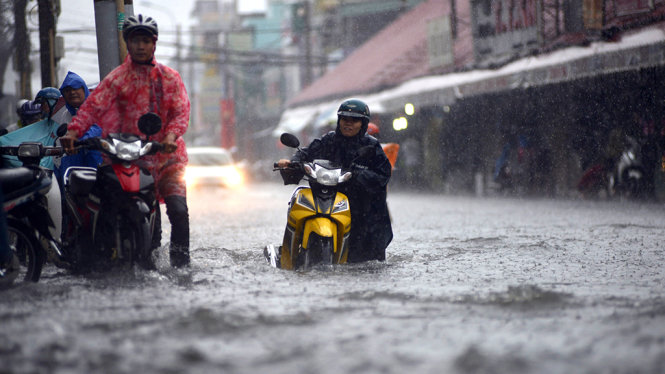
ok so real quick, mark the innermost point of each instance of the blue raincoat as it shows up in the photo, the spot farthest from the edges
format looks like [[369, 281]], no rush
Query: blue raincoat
[[83, 157]]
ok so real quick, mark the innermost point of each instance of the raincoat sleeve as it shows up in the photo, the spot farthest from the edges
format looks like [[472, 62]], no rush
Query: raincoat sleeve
[[314, 150], [374, 174], [308, 153], [178, 112]]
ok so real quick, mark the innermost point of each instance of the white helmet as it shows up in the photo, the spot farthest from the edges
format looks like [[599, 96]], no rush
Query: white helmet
[[139, 22]]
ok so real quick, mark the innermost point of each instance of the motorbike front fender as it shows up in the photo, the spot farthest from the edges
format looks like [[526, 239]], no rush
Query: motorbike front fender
[[322, 226]]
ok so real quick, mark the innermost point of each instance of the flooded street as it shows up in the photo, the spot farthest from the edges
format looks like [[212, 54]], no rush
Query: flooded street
[[470, 285]]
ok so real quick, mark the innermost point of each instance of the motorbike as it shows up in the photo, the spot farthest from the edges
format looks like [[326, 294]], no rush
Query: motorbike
[[111, 210], [31, 203], [627, 178], [318, 217]]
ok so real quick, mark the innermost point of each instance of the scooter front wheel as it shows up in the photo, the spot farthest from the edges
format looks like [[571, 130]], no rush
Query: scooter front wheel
[[319, 251], [135, 244], [26, 248]]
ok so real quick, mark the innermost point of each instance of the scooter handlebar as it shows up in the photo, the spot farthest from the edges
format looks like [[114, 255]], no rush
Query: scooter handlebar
[[293, 165]]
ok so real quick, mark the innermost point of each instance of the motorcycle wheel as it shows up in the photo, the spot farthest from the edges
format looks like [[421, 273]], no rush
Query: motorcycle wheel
[[25, 245], [320, 251], [135, 244], [634, 183]]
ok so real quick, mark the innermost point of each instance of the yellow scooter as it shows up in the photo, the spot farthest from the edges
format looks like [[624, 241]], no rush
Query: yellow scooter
[[319, 216]]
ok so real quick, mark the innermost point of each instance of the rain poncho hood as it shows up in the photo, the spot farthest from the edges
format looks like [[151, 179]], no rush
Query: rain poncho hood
[[74, 81]]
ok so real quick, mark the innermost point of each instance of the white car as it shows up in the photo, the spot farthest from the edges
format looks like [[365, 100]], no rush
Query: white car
[[212, 166]]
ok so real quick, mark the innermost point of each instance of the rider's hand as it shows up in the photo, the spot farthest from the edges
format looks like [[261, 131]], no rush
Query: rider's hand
[[68, 140], [283, 163], [169, 143]]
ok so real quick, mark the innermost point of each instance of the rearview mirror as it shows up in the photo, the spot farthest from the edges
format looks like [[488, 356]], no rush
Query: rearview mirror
[[289, 140], [150, 123], [61, 131]]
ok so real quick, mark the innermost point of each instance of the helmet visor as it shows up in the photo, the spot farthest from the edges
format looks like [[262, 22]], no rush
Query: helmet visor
[[351, 114]]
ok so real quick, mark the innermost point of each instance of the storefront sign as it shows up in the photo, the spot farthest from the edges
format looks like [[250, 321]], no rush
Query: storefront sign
[[503, 29], [589, 66], [439, 42]]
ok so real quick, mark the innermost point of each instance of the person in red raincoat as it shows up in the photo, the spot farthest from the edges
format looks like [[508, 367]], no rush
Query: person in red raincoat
[[140, 85]]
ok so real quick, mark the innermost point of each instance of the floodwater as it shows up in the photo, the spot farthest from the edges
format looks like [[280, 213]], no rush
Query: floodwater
[[470, 285]]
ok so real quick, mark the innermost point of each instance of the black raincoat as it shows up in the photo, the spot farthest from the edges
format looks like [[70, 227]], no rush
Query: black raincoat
[[371, 230]]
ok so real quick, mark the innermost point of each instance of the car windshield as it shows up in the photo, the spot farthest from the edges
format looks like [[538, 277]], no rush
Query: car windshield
[[209, 159]]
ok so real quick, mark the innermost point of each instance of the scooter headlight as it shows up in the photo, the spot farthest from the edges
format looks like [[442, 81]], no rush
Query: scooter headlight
[[309, 170], [327, 177], [345, 177], [127, 151], [29, 150]]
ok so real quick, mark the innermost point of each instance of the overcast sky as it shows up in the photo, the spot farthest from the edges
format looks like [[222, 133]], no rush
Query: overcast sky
[[80, 46]]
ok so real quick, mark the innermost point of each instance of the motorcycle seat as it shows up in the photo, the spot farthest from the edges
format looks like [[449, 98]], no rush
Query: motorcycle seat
[[14, 179], [81, 181]]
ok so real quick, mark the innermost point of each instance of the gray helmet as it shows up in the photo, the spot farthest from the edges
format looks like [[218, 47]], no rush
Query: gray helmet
[[139, 22]]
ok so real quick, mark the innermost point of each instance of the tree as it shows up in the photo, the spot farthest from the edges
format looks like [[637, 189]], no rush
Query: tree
[[6, 36]]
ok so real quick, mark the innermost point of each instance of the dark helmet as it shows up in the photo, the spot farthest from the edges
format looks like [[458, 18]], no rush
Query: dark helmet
[[139, 22], [29, 112], [48, 96], [354, 108]]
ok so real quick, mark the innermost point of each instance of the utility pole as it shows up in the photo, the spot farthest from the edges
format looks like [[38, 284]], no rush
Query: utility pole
[[308, 45], [106, 25], [47, 42], [120, 11], [22, 44], [178, 46]]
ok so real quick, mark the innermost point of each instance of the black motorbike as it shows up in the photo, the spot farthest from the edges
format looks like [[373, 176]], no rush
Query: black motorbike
[[111, 211], [32, 231]]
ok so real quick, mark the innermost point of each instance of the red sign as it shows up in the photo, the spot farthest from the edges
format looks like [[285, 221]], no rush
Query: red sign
[[228, 122]]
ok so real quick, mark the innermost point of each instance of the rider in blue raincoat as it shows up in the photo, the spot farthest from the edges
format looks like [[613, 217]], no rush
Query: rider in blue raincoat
[[74, 91]]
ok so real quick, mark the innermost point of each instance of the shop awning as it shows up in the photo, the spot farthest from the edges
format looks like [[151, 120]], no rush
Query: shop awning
[[642, 49], [639, 50], [296, 119]]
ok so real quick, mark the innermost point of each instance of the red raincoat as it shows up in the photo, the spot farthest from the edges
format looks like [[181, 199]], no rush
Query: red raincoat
[[130, 91]]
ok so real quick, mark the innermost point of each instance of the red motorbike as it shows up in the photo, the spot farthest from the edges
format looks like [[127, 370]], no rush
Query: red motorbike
[[111, 211]]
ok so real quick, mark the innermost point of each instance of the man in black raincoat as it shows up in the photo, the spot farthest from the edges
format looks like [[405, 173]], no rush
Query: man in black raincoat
[[371, 230]]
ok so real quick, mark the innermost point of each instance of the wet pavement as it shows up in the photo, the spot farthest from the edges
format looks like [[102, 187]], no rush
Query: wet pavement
[[470, 285]]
